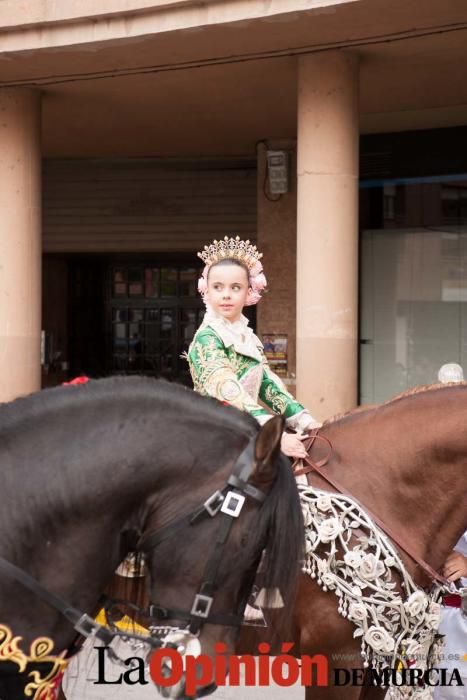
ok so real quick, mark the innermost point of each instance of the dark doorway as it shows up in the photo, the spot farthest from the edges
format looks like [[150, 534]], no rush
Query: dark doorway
[[153, 311], [86, 318], [124, 314]]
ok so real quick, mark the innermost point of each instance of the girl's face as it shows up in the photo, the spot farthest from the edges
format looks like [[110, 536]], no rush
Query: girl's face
[[227, 290]]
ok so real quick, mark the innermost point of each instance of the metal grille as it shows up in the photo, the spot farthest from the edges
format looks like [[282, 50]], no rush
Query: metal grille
[[154, 312]]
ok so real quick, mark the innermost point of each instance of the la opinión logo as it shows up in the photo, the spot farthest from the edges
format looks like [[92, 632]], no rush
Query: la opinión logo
[[167, 667]]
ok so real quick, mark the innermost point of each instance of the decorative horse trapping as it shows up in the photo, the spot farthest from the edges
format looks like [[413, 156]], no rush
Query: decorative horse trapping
[[348, 554], [44, 669]]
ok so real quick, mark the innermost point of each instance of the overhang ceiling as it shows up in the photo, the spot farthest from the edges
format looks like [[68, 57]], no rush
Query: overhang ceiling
[[218, 90]]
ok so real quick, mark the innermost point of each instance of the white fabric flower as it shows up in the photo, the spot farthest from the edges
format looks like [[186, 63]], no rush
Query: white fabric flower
[[323, 503], [307, 517], [371, 567], [379, 640], [329, 580], [432, 621], [433, 616], [437, 652], [357, 612], [416, 603], [323, 567], [353, 558], [329, 529], [422, 694], [412, 647]]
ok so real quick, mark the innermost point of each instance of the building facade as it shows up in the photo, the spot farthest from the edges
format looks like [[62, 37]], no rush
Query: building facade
[[132, 132]]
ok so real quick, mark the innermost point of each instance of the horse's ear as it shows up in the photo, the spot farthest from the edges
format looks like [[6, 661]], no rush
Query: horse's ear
[[267, 447]]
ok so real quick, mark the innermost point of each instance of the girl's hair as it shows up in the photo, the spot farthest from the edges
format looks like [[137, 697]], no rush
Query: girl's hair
[[231, 261]]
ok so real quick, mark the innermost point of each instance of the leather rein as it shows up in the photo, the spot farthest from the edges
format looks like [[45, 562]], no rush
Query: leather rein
[[317, 467]]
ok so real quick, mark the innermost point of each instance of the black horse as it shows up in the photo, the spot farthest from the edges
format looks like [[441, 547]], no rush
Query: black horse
[[81, 467]]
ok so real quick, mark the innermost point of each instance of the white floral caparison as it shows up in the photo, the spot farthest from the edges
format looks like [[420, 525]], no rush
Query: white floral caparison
[[348, 554]]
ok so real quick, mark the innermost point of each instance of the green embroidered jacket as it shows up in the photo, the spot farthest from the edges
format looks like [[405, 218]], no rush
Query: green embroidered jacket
[[220, 369]]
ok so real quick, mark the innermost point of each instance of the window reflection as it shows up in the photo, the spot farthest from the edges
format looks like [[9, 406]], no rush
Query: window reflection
[[168, 282], [152, 277], [413, 286]]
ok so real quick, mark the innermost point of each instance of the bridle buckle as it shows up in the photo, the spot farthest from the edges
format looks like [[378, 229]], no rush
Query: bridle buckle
[[233, 504], [201, 605], [88, 627], [214, 503]]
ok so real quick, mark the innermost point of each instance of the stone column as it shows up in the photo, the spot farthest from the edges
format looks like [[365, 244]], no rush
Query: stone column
[[20, 242], [327, 232]]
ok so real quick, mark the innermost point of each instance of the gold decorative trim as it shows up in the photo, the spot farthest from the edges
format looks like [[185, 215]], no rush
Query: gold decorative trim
[[39, 688]]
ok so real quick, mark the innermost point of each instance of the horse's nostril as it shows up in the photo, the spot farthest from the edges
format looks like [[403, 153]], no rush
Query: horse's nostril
[[175, 690], [165, 691]]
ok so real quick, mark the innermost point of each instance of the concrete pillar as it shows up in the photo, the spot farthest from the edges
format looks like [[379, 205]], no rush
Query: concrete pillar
[[20, 242], [327, 232]]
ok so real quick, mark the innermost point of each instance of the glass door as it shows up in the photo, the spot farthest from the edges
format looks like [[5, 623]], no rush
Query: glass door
[[154, 311], [413, 312]]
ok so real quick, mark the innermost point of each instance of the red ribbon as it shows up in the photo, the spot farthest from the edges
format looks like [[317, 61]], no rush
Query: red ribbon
[[452, 600], [77, 381]]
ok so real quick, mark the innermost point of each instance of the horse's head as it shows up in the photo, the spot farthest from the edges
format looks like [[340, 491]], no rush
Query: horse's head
[[203, 488], [211, 553]]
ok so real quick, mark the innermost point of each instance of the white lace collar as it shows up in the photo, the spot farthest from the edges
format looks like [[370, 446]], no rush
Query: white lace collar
[[237, 334]]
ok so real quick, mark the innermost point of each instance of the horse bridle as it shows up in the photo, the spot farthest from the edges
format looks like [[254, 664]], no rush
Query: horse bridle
[[227, 503]]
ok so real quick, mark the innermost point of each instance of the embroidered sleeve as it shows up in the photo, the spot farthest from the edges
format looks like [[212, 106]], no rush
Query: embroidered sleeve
[[213, 374], [275, 395]]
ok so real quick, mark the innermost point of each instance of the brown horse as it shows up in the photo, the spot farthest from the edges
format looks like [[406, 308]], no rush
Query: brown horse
[[406, 461]]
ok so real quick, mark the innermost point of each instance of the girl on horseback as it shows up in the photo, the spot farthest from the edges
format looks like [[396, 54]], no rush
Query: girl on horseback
[[226, 358]]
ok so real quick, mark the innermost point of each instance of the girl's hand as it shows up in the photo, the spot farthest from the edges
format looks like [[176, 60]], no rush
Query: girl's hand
[[292, 445], [455, 566]]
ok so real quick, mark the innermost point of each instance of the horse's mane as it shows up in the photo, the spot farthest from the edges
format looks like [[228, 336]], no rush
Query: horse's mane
[[413, 391], [280, 523], [423, 388], [172, 396], [58, 415]]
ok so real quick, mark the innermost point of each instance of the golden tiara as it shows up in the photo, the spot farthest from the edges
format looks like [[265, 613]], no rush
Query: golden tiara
[[235, 248]]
